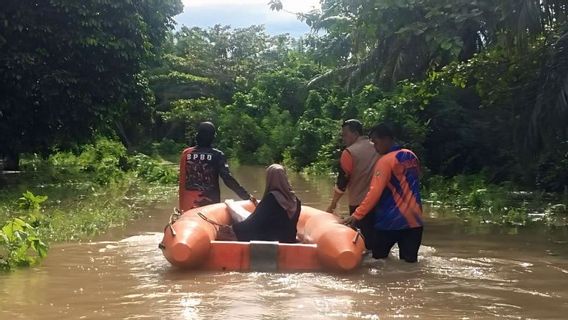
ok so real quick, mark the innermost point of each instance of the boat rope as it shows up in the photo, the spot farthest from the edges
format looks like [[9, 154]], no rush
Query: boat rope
[[173, 218], [202, 216]]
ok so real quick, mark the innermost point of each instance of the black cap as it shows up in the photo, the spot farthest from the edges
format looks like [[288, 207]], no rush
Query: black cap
[[205, 134], [206, 127]]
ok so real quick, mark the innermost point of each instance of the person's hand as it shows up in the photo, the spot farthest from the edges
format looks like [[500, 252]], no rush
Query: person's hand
[[349, 221], [253, 200]]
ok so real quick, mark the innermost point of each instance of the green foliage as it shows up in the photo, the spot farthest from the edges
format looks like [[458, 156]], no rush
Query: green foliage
[[552, 171], [191, 112], [284, 88], [241, 134], [471, 196], [173, 80], [167, 147], [548, 118], [327, 160], [475, 88], [20, 245], [105, 160], [68, 66], [468, 70], [402, 110], [364, 43], [151, 170], [100, 209], [251, 85], [30, 201], [82, 203], [312, 134], [278, 129], [104, 163]]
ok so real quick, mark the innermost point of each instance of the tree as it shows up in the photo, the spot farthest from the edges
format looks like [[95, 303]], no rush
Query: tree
[[66, 66], [384, 41], [549, 119]]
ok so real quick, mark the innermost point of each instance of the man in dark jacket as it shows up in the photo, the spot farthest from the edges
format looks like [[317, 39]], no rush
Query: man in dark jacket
[[200, 169]]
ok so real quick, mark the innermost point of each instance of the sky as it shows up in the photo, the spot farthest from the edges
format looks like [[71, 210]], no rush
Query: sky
[[244, 13]]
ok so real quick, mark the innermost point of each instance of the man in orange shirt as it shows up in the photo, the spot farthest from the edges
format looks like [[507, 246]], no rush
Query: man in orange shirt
[[355, 171], [393, 198]]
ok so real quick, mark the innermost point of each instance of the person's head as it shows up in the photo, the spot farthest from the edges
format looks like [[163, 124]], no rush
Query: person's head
[[205, 134], [276, 179], [278, 185], [351, 130], [382, 138]]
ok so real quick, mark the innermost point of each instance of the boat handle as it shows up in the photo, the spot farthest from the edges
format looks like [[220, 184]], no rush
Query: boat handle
[[357, 235], [172, 229]]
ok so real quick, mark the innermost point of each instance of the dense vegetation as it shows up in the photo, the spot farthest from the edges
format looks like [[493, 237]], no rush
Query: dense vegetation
[[71, 196], [473, 86], [478, 88], [70, 71]]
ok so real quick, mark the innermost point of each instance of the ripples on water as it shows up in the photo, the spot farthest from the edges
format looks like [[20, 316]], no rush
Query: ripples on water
[[130, 279], [461, 274]]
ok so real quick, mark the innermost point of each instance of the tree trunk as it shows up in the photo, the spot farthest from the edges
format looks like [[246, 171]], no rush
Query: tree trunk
[[123, 135]]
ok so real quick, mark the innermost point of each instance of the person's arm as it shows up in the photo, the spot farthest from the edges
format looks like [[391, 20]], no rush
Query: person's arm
[[182, 175], [230, 181], [379, 181], [345, 170]]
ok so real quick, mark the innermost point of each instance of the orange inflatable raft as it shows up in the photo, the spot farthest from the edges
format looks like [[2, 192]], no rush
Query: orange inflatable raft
[[324, 244]]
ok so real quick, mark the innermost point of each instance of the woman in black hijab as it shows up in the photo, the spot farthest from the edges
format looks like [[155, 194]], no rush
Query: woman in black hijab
[[275, 218]]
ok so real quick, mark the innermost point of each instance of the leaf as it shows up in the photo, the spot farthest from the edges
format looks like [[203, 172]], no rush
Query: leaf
[[39, 247], [275, 5], [3, 238]]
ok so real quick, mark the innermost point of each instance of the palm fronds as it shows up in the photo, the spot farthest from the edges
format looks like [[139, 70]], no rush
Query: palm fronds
[[549, 119]]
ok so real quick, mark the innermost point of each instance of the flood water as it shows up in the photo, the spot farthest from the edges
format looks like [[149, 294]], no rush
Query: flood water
[[465, 272]]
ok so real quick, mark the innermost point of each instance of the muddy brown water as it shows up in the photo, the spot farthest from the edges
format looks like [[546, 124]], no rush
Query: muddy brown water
[[466, 271]]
